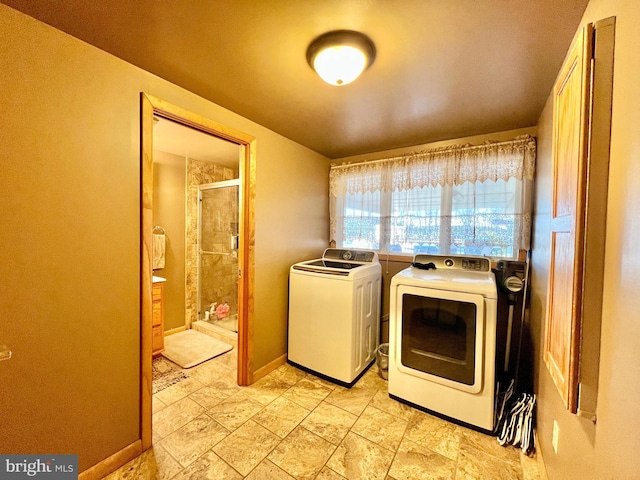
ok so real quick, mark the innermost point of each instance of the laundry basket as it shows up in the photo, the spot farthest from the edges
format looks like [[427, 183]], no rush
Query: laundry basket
[[382, 360]]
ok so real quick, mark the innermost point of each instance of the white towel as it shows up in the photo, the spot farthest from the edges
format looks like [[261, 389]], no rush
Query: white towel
[[159, 247]]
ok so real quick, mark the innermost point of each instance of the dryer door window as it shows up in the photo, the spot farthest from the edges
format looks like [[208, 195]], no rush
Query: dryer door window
[[439, 337]]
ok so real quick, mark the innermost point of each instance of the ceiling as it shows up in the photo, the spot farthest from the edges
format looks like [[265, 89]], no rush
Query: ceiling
[[177, 139], [444, 68]]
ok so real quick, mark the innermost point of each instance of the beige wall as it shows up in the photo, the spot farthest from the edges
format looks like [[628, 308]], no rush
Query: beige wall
[[168, 212], [70, 242], [607, 449], [473, 140], [292, 225]]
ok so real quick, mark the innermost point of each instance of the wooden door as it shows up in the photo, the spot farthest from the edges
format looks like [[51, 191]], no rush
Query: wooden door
[[570, 150]]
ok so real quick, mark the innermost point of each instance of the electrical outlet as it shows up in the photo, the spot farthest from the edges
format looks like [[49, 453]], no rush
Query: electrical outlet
[[554, 438]]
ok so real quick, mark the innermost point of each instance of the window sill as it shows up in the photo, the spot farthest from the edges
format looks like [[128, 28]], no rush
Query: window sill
[[396, 257]]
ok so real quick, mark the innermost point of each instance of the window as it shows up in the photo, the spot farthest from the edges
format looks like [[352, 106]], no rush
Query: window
[[464, 200]]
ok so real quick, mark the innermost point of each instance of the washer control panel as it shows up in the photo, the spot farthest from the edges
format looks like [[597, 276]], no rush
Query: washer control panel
[[360, 256]]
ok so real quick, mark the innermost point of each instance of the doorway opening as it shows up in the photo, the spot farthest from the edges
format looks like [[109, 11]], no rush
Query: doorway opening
[[238, 245]]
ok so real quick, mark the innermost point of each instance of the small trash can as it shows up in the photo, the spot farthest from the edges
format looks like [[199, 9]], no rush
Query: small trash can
[[382, 360]]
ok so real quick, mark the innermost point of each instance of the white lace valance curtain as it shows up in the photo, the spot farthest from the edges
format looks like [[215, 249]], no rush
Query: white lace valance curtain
[[453, 165], [450, 166]]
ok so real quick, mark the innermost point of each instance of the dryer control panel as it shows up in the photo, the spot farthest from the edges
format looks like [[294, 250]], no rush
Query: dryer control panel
[[478, 264], [455, 262]]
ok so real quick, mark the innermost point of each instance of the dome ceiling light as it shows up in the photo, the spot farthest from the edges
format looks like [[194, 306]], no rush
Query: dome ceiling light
[[339, 57]]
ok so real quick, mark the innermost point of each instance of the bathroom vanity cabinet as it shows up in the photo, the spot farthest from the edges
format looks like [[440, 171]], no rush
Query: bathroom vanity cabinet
[[158, 318]]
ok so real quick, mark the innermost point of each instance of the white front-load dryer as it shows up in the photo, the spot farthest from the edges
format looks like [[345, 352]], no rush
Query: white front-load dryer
[[442, 338]]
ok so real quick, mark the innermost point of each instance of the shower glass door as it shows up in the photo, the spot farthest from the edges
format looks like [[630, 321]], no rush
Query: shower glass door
[[218, 222]]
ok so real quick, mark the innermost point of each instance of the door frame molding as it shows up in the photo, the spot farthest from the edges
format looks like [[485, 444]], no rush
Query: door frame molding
[[150, 106]]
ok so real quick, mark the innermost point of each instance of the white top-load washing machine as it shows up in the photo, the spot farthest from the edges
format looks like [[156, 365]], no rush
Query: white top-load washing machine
[[442, 337], [334, 314]]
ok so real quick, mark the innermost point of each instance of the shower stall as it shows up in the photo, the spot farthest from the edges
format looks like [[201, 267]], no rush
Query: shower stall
[[217, 259]]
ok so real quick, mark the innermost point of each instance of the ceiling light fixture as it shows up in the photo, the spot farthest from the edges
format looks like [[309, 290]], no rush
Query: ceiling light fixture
[[339, 57]]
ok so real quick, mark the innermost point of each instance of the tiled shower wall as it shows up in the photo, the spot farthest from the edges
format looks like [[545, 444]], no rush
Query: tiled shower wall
[[221, 284]]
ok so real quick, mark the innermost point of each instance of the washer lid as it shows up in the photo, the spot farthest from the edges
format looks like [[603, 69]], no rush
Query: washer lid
[[322, 262], [341, 262]]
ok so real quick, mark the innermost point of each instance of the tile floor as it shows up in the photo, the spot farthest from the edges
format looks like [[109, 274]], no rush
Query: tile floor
[[293, 425]]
